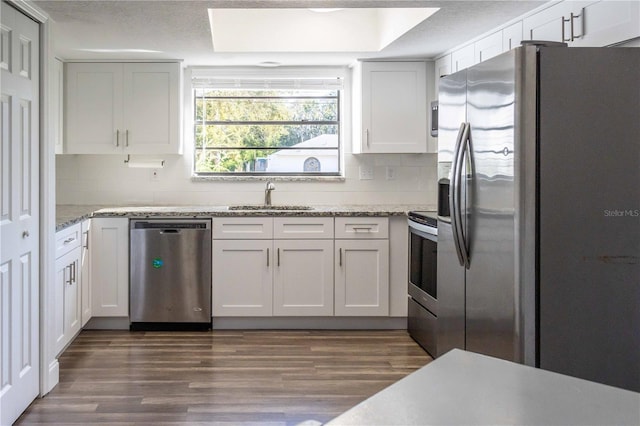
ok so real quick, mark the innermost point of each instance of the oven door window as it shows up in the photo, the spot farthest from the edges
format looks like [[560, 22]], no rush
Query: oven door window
[[423, 270]]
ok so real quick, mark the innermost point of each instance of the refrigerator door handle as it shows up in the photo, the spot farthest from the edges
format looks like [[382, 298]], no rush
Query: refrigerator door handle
[[465, 145], [454, 194]]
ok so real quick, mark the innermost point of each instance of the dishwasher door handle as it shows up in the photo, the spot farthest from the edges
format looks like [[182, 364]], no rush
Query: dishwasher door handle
[[170, 231]]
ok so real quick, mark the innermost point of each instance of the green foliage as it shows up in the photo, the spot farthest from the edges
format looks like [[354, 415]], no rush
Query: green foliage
[[232, 119]]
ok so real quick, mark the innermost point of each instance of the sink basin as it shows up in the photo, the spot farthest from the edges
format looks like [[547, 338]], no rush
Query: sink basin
[[265, 207]]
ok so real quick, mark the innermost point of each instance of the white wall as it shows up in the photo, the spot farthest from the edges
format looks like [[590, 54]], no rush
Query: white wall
[[105, 179]]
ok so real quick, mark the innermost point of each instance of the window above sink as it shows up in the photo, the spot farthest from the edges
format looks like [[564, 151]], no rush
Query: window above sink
[[267, 122]]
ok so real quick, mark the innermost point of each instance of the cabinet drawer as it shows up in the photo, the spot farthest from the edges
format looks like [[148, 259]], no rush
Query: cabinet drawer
[[243, 228], [362, 227], [303, 228], [68, 239]]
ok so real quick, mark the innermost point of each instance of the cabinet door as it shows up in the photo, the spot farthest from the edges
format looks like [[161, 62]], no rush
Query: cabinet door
[[442, 69], [109, 244], [512, 36], [362, 277], [85, 273], [394, 107], [72, 302], [463, 58], [57, 104], [548, 24], [93, 97], [488, 47], [151, 108], [242, 278], [67, 299], [609, 22], [303, 278], [63, 275]]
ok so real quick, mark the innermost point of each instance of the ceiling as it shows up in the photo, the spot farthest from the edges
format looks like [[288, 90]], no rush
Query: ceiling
[[179, 29]]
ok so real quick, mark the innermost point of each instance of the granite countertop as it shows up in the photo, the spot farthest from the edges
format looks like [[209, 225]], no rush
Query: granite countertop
[[67, 215]]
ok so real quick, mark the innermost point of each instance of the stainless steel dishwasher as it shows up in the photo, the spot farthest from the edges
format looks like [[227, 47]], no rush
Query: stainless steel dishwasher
[[170, 278]]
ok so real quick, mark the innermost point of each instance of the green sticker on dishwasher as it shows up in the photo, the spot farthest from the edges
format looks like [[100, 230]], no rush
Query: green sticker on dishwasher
[[157, 263]]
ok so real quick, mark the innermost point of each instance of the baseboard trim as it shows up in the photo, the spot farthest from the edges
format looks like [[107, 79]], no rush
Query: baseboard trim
[[309, 323], [273, 323]]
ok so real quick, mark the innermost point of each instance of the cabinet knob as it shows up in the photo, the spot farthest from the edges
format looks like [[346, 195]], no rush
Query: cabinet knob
[[25, 234]]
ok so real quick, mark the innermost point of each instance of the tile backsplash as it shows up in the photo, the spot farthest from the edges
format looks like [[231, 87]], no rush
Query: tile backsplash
[[106, 180]]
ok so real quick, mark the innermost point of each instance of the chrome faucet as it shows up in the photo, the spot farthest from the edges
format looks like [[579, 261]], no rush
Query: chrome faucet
[[267, 193]]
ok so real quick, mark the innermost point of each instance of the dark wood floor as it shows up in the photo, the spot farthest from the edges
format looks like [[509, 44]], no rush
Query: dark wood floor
[[222, 377]]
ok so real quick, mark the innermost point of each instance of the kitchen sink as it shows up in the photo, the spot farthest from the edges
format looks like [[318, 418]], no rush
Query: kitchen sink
[[265, 207]]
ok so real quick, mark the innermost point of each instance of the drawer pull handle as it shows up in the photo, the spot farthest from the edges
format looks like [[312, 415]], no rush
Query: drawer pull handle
[[340, 256], [68, 240], [357, 229], [267, 258]]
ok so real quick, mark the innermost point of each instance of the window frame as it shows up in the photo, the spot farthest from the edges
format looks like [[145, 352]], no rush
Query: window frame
[[257, 73]]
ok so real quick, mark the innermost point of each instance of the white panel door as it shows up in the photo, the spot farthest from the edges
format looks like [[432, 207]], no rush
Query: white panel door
[[19, 214], [151, 101], [362, 278], [242, 278], [303, 278], [109, 242]]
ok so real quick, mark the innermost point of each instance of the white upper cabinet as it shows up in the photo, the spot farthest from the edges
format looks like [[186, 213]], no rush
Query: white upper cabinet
[[115, 108], [609, 22], [390, 107], [488, 47], [463, 58], [585, 23], [551, 24], [512, 36]]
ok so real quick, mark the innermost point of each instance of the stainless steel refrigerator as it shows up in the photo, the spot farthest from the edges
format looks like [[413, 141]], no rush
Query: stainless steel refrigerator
[[539, 211]]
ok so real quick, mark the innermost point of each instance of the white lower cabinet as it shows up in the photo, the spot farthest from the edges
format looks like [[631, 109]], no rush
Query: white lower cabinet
[[362, 277], [269, 266], [242, 278], [301, 266], [109, 245], [303, 278], [67, 315]]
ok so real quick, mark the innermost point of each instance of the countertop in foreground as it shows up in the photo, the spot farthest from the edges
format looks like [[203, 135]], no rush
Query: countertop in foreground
[[465, 388], [67, 215]]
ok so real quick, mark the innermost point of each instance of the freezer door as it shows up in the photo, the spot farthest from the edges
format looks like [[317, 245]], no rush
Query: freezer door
[[590, 214], [492, 295]]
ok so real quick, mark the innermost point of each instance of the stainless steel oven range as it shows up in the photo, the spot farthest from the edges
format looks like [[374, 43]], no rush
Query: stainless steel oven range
[[423, 288]]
